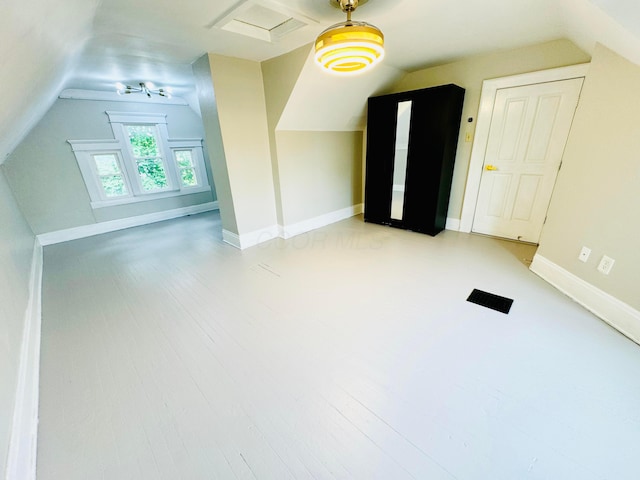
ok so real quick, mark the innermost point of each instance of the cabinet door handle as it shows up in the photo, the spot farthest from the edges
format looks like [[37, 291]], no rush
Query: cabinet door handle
[[491, 167]]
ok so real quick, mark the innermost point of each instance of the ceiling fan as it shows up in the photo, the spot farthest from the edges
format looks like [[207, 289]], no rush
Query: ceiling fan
[[349, 47]]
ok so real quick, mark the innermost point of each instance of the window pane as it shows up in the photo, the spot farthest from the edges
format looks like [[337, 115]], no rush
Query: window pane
[[152, 174], [114, 186], [107, 164], [189, 177], [143, 140], [184, 159]]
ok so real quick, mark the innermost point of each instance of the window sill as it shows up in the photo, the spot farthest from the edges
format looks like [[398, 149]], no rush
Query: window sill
[[149, 197]]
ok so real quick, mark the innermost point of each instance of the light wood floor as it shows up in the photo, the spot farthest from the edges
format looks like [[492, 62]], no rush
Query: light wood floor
[[346, 353]]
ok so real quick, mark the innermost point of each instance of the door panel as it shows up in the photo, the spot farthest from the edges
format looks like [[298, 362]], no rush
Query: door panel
[[525, 197], [500, 186], [528, 132], [512, 125], [542, 129]]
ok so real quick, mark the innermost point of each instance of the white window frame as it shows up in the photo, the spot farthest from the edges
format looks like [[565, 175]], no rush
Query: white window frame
[[172, 183], [84, 151], [194, 145]]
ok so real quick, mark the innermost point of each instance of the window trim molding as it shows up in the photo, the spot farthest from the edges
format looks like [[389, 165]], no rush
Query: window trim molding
[[85, 149], [148, 197], [136, 117]]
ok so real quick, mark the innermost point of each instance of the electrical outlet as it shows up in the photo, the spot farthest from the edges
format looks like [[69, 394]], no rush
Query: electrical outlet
[[606, 264], [584, 254]]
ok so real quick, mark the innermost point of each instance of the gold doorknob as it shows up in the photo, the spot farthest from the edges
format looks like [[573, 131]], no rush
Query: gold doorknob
[[491, 167]]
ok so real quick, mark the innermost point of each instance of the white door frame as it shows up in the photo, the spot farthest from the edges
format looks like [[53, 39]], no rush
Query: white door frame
[[485, 112]]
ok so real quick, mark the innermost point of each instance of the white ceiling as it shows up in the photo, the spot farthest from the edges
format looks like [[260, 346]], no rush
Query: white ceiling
[[134, 40], [91, 44]]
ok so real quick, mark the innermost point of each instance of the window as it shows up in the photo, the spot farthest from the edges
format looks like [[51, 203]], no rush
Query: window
[[141, 163], [109, 171], [186, 167], [145, 150]]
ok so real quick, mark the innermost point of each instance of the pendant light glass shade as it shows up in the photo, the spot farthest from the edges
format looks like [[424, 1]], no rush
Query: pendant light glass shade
[[349, 47]]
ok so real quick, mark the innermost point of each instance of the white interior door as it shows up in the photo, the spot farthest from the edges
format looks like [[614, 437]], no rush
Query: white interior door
[[528, 133]]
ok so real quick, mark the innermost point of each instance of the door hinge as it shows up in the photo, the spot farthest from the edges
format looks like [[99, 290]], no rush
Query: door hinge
[[560, 166], [545, 220]]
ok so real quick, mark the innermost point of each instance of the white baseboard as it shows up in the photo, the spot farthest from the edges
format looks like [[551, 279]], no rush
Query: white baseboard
[[250, 239], [84, 231], [452, 224], [21, 462], [288, 231], [231, 238], [618, 314]]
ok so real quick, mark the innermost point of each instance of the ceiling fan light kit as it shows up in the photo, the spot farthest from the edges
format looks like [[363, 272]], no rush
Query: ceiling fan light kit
[[349, 47]]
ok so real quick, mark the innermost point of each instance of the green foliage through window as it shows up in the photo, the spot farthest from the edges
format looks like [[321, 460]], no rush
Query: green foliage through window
[[110, 174], [184, 160], [114, 186], [152, 175], [143, 140], [144, 143], [189, 177]]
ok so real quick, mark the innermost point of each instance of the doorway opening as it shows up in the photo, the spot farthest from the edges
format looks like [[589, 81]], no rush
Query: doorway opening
[[523, 124]]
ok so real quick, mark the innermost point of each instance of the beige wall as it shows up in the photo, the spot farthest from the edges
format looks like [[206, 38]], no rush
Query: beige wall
[[215, 145], [239, 92], [280, 76], [320, 172], [251, 99], [596, 201], [45, 177], [16, 248], [470, 73], [316, 172]]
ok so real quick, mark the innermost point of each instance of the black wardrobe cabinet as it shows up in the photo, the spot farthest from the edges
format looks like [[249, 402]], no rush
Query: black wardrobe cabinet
[[425, 133]]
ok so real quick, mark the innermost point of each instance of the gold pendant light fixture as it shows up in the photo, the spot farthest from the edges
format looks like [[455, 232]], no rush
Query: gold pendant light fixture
[[350, 47]]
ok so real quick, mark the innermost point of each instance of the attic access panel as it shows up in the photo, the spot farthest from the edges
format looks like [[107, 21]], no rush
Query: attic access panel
[[261, 19]]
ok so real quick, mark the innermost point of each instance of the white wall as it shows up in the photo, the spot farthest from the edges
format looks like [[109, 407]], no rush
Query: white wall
[[45, 177], [38, 40], [16, 248]]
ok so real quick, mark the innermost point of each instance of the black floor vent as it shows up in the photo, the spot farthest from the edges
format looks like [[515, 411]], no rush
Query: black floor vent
[[489, 300]]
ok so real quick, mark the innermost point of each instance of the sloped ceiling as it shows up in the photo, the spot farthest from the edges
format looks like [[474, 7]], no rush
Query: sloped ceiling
[[38, 45], [91, 44], [613, 23], [312, 105]]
